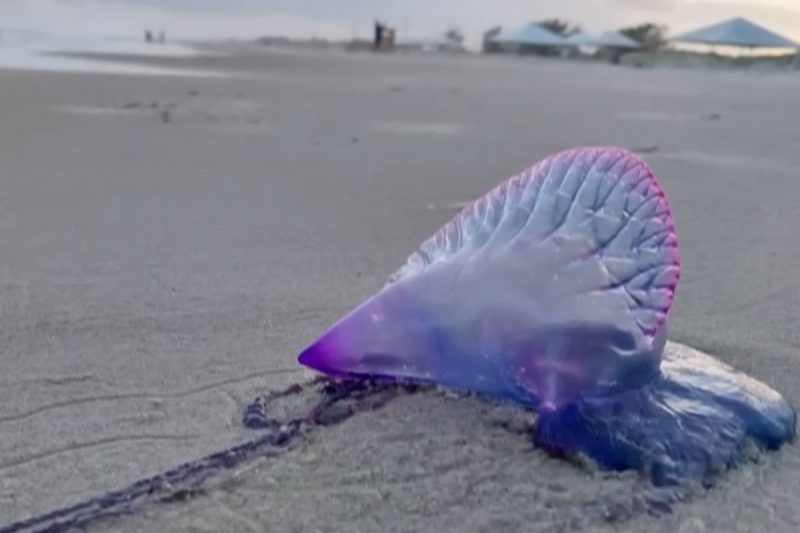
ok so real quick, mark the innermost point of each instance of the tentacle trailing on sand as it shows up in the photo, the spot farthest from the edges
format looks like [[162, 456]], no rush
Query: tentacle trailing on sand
[[552, 290], [336, 401]]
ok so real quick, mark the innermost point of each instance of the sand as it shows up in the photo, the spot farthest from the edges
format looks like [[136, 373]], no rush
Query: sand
[[168, 244]]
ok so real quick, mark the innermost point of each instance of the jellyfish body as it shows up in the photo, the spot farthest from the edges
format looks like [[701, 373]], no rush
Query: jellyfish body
[[552, 290], [688, 425]]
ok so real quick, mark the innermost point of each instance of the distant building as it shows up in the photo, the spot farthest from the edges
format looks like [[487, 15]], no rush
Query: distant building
[[530, 39]]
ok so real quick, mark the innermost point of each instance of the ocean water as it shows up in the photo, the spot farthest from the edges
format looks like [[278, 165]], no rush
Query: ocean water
[[28, 50]]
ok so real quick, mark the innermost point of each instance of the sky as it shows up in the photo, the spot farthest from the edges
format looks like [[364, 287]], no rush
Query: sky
[[337, 19]]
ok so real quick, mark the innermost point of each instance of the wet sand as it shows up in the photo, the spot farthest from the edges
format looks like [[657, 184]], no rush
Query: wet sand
[[168, 244]]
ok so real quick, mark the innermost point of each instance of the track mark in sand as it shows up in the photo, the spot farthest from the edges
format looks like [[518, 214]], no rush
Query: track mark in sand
[[65, 379], [93, 444], [231, 381], [451, 207], [657, 116], [486, 477], [98, 110], [69, 403], [737, 162], [145, 395], [326, 489], [233, 516], [441, 129], [368, 481], [645, 149]]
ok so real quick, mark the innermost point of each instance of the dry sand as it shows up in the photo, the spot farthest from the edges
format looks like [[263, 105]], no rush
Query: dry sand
[[168, 244]]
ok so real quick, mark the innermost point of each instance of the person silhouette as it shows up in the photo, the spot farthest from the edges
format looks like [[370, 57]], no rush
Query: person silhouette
[[378, 35]]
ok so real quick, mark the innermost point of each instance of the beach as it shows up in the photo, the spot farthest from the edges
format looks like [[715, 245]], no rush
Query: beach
[[170, 242]]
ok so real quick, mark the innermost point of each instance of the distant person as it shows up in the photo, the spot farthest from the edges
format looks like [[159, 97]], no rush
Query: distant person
[[148, 36], [162, 37], [378, 35]]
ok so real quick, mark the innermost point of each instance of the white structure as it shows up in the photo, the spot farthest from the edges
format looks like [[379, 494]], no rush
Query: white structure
[[736, 32], [530, 35]]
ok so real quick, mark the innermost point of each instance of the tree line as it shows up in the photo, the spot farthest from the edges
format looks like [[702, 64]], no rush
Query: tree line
[[651, 36]]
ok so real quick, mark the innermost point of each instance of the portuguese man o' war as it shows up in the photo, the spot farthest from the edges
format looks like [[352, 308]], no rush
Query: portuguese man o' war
[[552, 291]]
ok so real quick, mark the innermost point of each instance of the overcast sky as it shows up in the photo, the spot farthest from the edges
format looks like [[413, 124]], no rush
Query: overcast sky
[[344, 18]]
